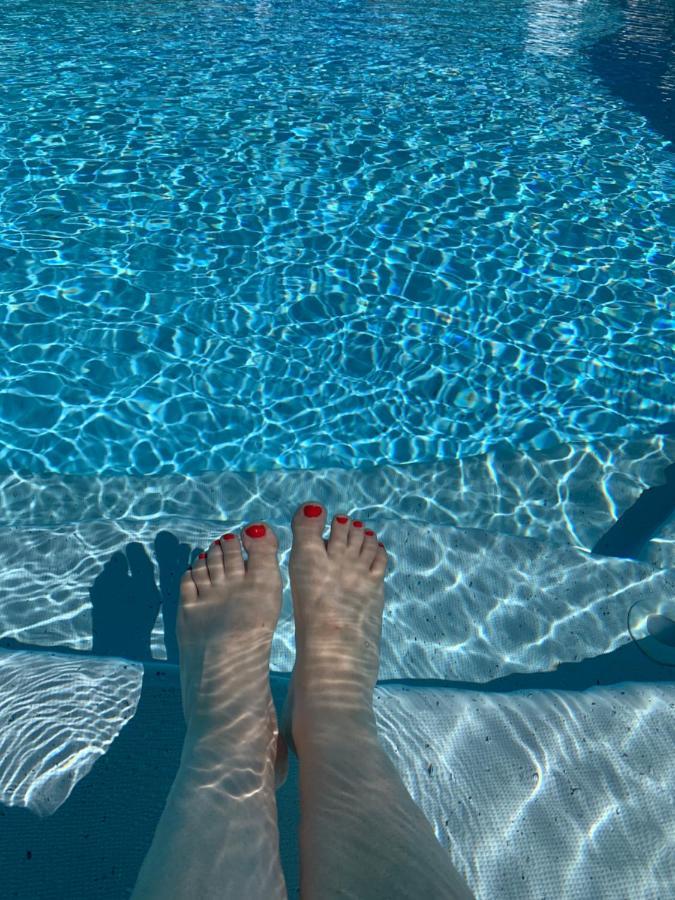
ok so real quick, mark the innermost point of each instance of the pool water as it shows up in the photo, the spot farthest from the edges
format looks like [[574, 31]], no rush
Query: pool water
[[256, 252], [256, 235]]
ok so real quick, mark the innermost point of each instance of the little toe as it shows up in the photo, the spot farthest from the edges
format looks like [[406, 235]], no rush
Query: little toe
[[188, 588], [233, 561], [200, 572], [379, 564], [308, 524]]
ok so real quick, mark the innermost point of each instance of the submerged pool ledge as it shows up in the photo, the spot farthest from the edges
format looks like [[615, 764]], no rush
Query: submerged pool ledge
[[547, 749]]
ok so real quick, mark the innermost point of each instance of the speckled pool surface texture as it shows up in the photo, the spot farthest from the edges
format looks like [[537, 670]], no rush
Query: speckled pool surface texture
[[412, 260]]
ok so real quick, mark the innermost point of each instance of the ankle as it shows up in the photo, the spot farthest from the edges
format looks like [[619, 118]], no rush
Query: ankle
[[335, 655], [328, 735], [327, 679], [331, 713]]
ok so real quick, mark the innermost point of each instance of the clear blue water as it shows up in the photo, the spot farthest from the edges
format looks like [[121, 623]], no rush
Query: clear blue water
[[266, 235], [270, 234]]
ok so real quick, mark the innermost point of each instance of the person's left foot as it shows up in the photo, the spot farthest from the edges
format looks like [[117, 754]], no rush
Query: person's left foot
[[229, 608]]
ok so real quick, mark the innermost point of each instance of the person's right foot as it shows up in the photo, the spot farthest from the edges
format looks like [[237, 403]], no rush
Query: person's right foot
[[338, 601]]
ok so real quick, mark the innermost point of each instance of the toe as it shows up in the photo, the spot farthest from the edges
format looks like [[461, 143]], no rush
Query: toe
[[188, 589], [214, 563], [261, 546], [379, 564], [200, 572], [233, 561], [355, 536], [308, 524], [189, 599], [338, 535], [369, 547]]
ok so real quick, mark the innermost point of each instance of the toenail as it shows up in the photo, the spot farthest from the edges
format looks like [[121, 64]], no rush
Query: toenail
[[312, 511], [369, 532], [357, 524], [227, 537], [380, 544], [256, 531], [342, 519], [202, 556]]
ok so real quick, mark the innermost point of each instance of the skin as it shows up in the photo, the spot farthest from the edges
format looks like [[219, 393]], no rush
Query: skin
[[361, 834]]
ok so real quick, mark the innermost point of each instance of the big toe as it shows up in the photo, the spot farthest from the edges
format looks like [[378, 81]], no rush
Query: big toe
[[308, 524], [261, 546]]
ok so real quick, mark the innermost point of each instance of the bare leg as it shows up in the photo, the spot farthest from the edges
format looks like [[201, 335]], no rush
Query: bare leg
[[361, 834], [218, 837]]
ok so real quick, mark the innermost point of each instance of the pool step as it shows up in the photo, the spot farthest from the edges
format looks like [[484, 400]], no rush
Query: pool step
[[511, 780], [462, 603], [571, 494]]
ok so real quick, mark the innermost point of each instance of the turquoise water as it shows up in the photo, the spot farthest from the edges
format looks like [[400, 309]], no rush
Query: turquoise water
[[238, 237], [269, 234]]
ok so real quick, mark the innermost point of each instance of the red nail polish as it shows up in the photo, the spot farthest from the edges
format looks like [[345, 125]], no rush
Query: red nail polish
[[342, 519], [202, 556], [256, 531], [227, 537], [369, 532], [312, 511], [380, 544], [357, 524]]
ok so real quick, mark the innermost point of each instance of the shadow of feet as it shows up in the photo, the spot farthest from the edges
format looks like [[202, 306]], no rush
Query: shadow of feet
[[126, 599]]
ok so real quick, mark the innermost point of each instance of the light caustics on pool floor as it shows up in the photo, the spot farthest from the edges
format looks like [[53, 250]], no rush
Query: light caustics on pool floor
[[390, 234], [487, 580], [497, 546], [570, 768]]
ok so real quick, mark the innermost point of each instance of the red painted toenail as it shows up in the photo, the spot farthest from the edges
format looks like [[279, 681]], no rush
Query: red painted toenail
[[357, 524], [380, 544], [202, 556], [256, 531], [227, 537], [369, 532], [312, 511], [342, 519]]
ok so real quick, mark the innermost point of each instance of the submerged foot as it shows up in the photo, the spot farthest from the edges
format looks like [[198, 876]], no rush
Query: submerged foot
[[228, 611], [338, 601]]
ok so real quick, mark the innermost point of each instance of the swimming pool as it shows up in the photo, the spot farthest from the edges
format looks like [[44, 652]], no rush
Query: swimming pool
[[414, 261], [392, 234]]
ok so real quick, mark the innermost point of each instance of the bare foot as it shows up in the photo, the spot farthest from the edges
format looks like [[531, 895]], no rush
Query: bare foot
[[218, 834], [338, 601], [228, 611]]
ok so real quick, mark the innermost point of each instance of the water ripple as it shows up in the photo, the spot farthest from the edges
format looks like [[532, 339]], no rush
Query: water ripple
[[391, 237]]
